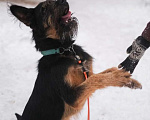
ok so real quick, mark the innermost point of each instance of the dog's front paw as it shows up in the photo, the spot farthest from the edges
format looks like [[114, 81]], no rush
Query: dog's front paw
[[133, 84], [123, 79]]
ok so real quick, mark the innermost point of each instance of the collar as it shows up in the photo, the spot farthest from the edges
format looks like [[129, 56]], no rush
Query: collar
[[66, 46], [50, 52], [59, 50]]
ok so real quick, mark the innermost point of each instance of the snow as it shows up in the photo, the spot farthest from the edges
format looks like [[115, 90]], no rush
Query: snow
[[106, 29]]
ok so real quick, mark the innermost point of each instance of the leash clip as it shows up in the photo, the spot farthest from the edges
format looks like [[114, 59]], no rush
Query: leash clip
[[63, 50]]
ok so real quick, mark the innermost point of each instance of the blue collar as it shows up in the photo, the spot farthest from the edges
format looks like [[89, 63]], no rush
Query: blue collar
[[51, 52], [60, 50]]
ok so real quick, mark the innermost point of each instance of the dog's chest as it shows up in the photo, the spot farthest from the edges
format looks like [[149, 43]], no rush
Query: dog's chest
[[74, 78], [75, 74]]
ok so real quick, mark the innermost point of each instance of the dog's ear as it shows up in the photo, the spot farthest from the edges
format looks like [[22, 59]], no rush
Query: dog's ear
[[25, 15], [18, 116]]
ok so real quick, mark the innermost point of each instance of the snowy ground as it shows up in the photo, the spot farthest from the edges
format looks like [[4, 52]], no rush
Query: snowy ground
[[107, 28]]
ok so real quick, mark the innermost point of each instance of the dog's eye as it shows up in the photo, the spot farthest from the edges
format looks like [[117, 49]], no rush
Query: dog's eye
[[43, 10]]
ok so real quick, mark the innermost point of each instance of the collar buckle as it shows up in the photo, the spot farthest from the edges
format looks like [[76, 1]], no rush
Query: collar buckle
[[63, 50]]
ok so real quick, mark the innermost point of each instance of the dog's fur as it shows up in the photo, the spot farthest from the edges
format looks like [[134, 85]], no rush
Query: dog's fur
[[60, 90]]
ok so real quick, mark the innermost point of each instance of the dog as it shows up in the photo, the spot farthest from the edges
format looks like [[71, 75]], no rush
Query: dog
[[61, 90]]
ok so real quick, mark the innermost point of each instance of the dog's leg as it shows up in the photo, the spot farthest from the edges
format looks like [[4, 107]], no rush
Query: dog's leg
[[118, 78]]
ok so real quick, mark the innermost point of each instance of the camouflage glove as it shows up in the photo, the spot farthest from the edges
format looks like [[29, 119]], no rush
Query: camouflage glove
[[135, 51]]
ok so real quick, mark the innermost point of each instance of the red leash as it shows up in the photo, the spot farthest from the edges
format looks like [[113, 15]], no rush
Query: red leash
[[85, 75], [88, 109], [85, 72]]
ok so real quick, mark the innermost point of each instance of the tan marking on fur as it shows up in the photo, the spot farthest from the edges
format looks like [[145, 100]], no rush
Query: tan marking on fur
[[51, 33], [75, 74], [49, 23], [74, 78], [69, 112], [89, 67]]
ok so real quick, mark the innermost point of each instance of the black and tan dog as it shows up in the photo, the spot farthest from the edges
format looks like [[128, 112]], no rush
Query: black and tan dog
[[61, 90]]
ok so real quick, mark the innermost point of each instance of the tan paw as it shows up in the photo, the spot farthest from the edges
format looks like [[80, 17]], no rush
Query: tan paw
[[133, 84], [123, 79]]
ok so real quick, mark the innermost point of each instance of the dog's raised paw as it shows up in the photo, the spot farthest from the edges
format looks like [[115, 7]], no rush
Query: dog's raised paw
[[133, 84], [123, 79]]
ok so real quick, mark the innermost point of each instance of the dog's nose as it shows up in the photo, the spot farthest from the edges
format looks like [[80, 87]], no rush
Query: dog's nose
[[61, 1]]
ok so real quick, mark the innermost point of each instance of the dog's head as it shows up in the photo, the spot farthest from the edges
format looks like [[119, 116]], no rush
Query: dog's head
[[49, 19]]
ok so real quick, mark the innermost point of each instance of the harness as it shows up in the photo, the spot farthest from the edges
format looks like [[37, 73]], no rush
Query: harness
[[61, 51]]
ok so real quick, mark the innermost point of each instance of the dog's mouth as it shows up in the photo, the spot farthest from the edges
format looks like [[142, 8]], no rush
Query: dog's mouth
[[67, 16]]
